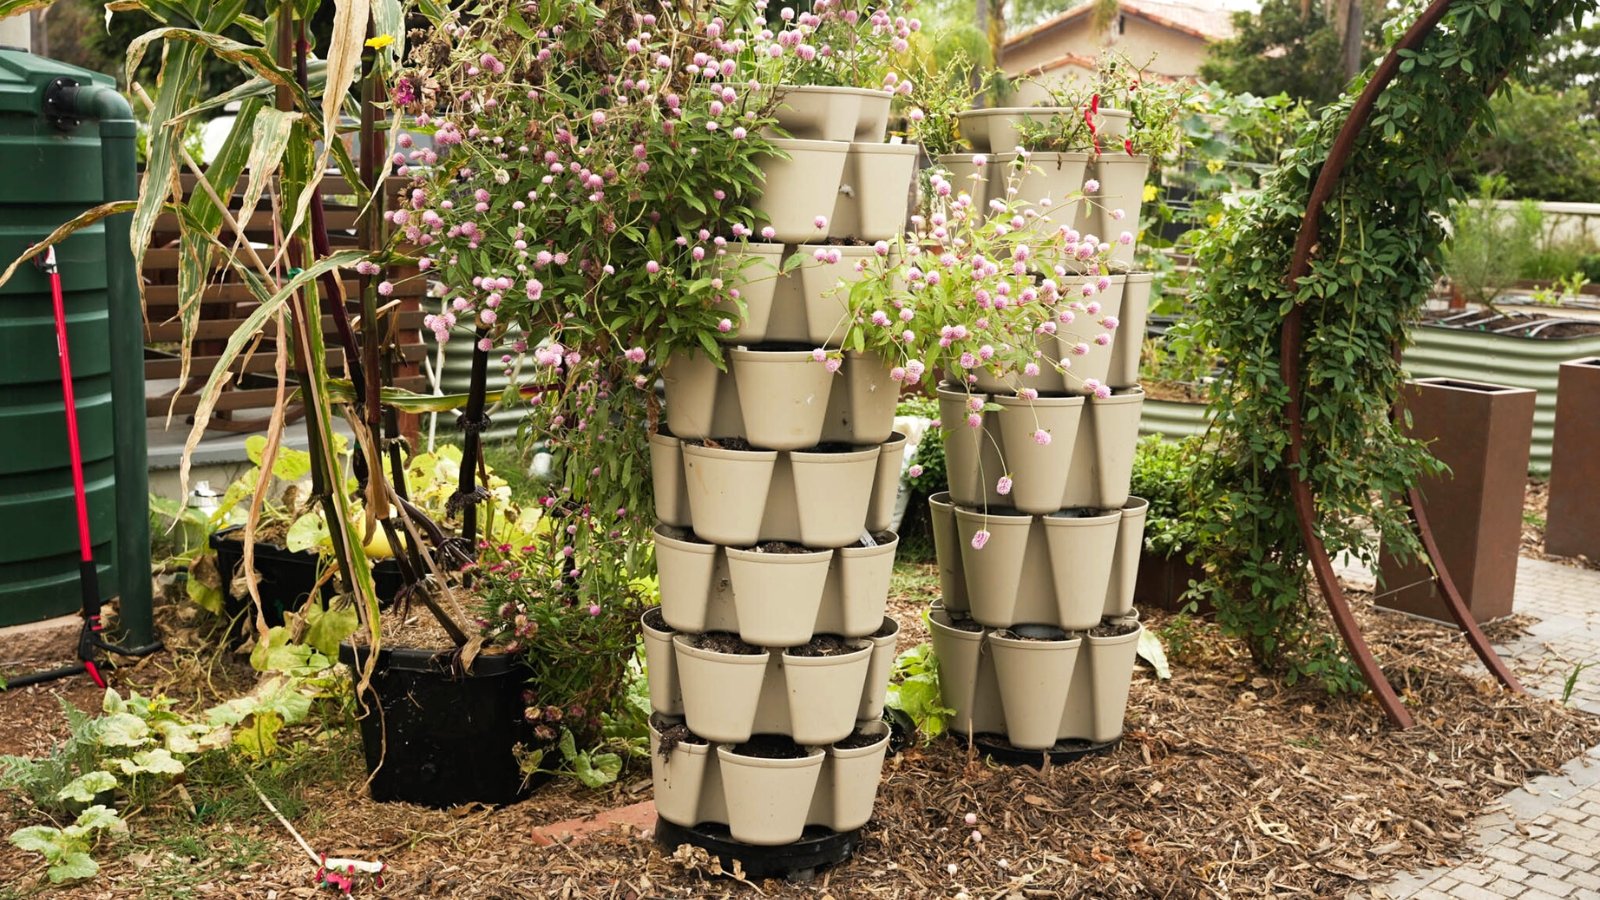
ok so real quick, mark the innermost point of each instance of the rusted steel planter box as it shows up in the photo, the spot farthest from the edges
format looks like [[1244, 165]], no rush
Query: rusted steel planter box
[[1533, 363], [1481, 431], [1172, 419], [1572, 526]]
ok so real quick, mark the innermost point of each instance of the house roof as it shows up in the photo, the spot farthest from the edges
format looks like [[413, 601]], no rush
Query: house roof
[[1203, 19]]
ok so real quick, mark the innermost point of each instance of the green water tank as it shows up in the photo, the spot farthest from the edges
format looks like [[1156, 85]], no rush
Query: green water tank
[[54, 166]]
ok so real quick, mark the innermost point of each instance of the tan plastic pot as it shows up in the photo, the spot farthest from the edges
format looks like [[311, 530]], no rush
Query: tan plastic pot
[[1122, 180], [768, 799], [1103, 465], [851, 778], [1034, 677], [720, 690], [1125, 563], [1048, 180], [1039, 471], [826, 291], [831, 494], [1096, 364], [966, 676], [824, 694], [857, 591], [947, 549], [666, 480], [966, 176], [798, 189], [958, 652], [661, 666], [886, 488], [861, 406], [879, 671], [818, 113], [783, 396], [872, 120], [1111, 660], [1127, 342], [994, 573], [755, 270], [965, 447], [1112, 127], [998, 129], [876, 192], [777, 595], [691, 380], [684, 570], [727, 492], [1081, 554], [679, 779]]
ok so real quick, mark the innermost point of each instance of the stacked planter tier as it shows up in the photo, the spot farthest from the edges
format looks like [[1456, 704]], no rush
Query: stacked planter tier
[[996, 133], [775, 483], [1037, 634]]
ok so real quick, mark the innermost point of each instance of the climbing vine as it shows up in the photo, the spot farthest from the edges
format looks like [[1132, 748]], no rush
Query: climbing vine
[[1374, 262]]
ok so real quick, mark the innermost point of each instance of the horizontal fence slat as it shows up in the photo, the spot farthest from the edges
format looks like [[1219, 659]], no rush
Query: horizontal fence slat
[[249, 398], [260, 362], [220, 329]]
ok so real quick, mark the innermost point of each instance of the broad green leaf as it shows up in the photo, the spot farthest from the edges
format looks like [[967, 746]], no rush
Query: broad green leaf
[[74, 865], [260, 738], [326, 628], [98, 818], [309, 532], [159, 761], [36, 838], [597, 770], [85, 787], [122, 730]]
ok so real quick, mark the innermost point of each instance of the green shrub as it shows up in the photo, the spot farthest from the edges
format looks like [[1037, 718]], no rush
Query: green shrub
[[1163, 474]]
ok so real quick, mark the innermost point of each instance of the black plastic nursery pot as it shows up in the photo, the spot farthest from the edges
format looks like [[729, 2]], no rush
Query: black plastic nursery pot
[[437, 737], [287, 577]]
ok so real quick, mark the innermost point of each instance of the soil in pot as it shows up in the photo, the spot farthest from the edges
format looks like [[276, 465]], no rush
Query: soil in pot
[[725, 642], [1034, 633], [732, 443], [889, 627], [672, 734], [858, 740], [826, 645], [653, 618], [770, 746], [781, 547], [1114, 628], [964, 623]]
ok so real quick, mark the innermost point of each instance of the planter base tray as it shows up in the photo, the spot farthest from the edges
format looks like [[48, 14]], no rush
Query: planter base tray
[[1000, 750], [817, 849]]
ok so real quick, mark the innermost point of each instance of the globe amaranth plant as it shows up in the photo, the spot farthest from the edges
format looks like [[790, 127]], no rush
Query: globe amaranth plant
[[1379, 238], [834, 43], [598, 165]]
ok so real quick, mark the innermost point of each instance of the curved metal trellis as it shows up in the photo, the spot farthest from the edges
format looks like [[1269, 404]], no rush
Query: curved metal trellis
[[1290, 370]]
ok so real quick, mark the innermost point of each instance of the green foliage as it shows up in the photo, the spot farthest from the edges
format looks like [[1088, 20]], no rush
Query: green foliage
[[914, 690], [1279, 51], [1545, 144], [1490, 246], [1164, 475], [1379, 240], [66, 850]]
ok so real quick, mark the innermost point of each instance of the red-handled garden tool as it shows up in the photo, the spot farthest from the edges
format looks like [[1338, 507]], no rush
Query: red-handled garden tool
[[89, 640]]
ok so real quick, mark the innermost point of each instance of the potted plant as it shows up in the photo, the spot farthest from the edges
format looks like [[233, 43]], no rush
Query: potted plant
[[1163, 472]]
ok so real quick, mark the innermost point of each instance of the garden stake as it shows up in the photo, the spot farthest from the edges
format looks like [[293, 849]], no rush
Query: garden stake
[[337, 873]]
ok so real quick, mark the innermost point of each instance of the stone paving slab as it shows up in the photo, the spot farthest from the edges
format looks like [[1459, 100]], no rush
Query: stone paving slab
[[1541, 840]]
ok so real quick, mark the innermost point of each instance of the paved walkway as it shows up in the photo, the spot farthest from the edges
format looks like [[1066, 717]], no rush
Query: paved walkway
[[1543, 839]]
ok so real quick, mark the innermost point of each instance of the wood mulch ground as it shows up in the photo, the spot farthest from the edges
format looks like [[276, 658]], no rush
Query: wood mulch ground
[[1226, 784]]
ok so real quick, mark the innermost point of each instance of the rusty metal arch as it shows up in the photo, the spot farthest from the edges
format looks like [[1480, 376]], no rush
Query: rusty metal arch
[[1290, 370]]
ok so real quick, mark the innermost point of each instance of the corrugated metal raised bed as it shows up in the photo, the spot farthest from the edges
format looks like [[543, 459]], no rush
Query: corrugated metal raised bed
[[1173, 419], [1441, 352]]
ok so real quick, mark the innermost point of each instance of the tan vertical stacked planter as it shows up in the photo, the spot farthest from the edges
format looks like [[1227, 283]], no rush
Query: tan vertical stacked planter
[[1037, 634], [774, 480]]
